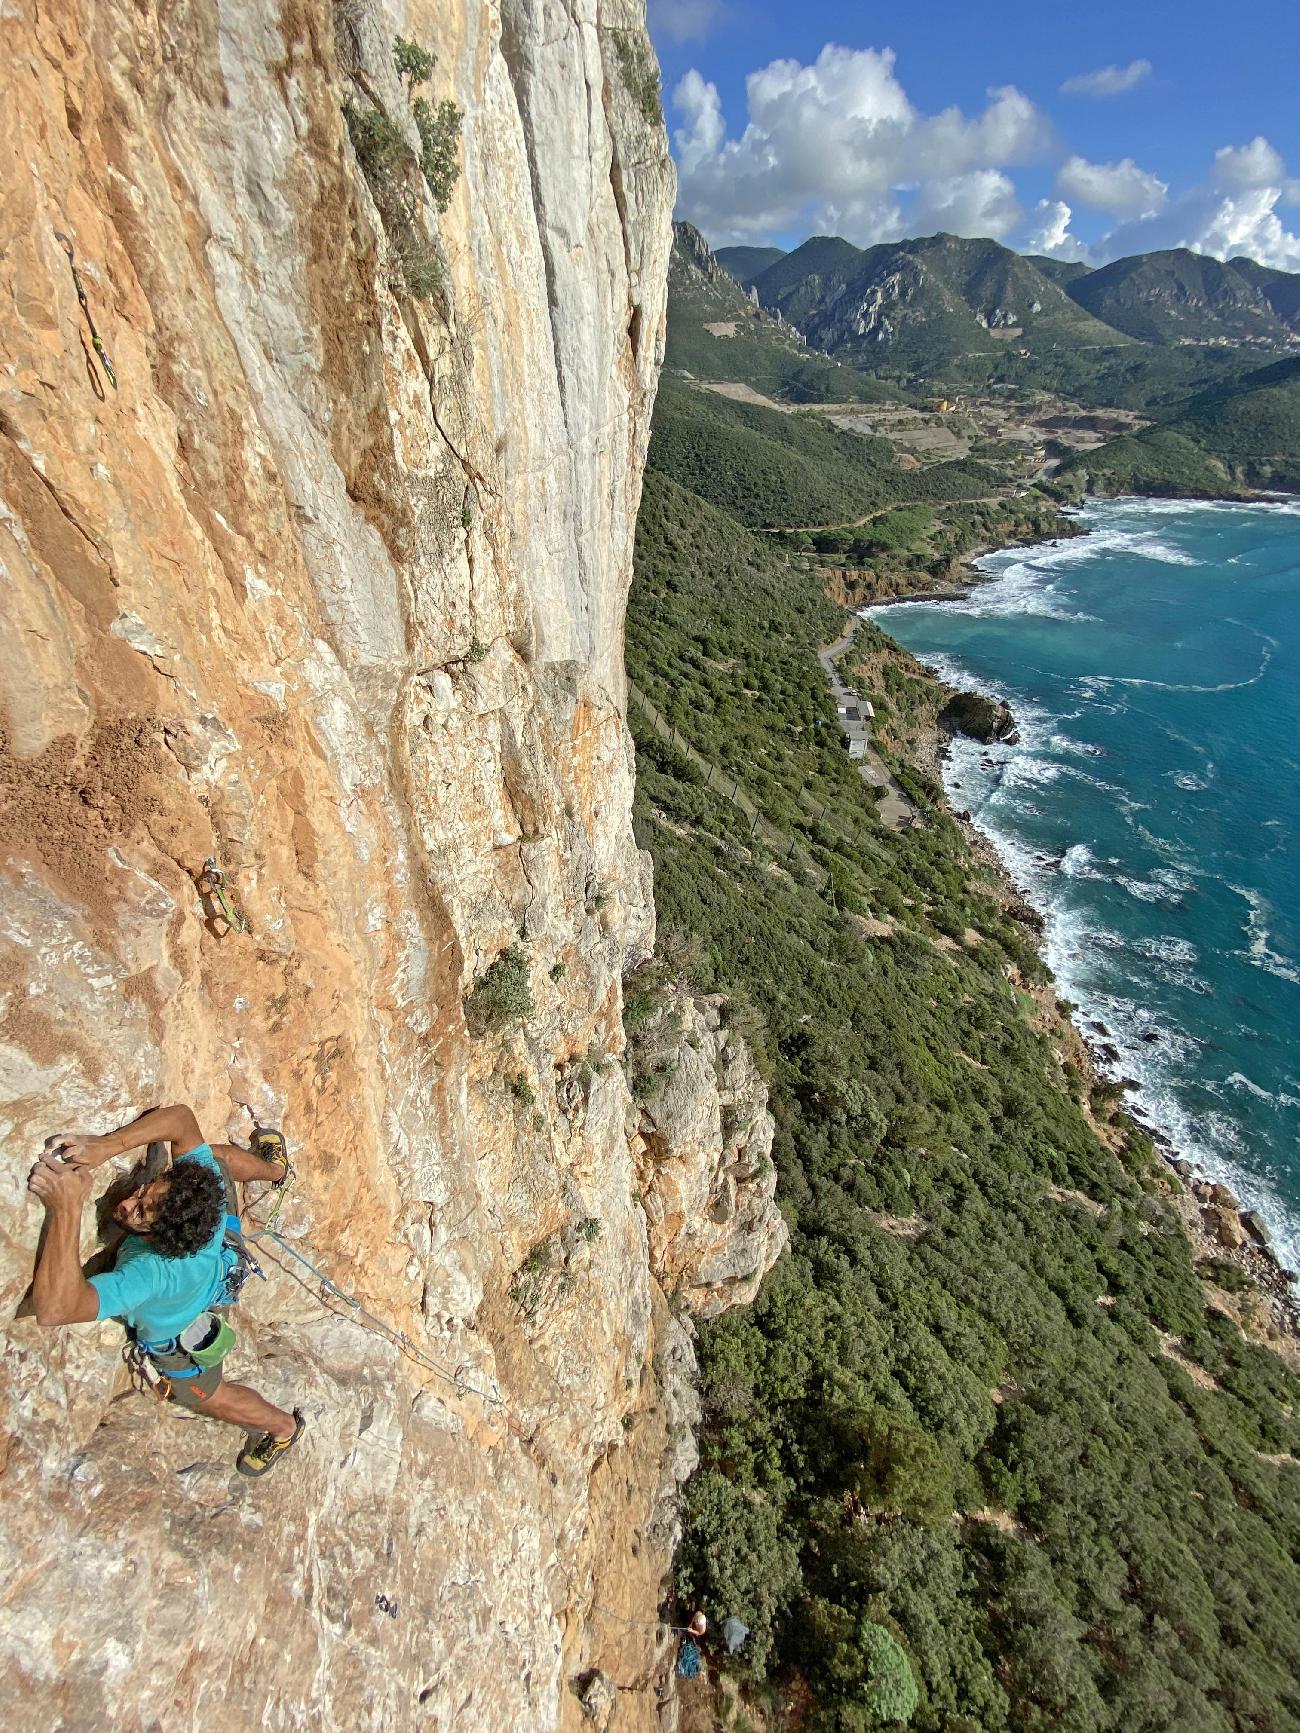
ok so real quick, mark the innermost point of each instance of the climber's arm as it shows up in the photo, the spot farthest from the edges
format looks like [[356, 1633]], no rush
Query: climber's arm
[[60, 1293], [174, 1125]]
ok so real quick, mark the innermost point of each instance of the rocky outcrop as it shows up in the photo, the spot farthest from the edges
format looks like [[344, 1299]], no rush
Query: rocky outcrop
[[704, 1156], [979, 718], [330, 586], [693, 250]]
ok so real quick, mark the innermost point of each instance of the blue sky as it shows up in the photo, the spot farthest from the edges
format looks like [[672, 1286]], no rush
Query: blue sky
[[1087, 131]]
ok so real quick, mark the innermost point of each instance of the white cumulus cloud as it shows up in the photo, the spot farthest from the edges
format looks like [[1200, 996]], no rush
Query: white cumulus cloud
[[981, 203], [1246, 166], [701, 108], [683, 20], [837, 144], [1051, 232], [1107, 80], [1122, 188], [1234, 211]]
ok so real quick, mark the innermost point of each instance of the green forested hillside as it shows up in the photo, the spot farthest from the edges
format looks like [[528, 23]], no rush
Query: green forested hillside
[[745, 263], [970, 314], [949, 1470], [770, 469], [1180, 296], [1281, 289], [716, 333], [946, 314], [1245, 434], [801, 282]]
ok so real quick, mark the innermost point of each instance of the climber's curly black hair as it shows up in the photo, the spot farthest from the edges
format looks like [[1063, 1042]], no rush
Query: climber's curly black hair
[[192, 1210]]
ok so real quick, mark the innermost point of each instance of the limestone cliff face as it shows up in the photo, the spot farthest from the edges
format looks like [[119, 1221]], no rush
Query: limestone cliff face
[[704, 1147], [331, 587]]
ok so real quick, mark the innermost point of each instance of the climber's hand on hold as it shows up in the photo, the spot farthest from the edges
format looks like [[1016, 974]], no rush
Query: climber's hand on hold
[[76, 1150], [59, 1187]]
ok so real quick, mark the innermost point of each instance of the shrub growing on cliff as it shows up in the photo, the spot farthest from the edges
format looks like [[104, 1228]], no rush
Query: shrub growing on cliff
[[413, 63], [391, 166], [439, 128], [501, 995], [640, 74]]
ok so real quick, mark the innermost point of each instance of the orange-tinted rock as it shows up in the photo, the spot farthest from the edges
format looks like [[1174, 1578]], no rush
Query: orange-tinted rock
[[331, 588]]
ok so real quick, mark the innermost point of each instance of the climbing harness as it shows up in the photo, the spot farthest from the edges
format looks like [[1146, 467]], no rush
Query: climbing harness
[[144, 1375], [212, 886], [99, 348]]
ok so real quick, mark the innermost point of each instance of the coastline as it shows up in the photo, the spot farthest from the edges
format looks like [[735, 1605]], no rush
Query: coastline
[[1219, 1229]]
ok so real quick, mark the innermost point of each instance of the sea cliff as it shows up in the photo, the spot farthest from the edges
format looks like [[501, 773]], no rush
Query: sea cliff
[[317, 567]]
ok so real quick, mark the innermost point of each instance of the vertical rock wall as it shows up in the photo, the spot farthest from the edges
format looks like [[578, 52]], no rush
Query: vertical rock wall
[[331, 587]]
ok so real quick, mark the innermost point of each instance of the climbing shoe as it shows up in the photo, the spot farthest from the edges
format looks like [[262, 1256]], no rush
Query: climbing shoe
[[263, 1452], [269, 1145]]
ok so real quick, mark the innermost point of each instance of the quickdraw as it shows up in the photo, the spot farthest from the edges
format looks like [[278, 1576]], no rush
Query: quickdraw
[[271, 1146], [145, 1376], [212, 886], [99, 348]]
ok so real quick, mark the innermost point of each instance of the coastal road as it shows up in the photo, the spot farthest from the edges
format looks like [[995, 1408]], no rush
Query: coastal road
[[896, 810]]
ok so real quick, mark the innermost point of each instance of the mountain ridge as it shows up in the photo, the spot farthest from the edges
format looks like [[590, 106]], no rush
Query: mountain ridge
[[967, 314]]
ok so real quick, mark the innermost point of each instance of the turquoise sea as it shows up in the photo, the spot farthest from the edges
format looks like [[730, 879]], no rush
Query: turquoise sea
[[1151, 811]]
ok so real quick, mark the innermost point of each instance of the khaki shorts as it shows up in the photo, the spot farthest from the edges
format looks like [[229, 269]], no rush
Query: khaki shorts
[[188, 1392]]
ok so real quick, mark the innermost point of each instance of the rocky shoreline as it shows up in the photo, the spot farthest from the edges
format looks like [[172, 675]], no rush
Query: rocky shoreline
[[1220, 1230], [1221, 1233]]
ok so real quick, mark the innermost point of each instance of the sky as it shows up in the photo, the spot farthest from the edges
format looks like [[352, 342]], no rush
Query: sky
[[1088, 132]]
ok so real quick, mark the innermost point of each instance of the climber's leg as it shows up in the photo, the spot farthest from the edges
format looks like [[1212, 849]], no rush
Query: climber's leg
[[262, 1453], [241, 1164], [235, 1403]]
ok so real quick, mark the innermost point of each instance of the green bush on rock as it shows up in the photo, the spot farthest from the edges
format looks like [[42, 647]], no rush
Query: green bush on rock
[[502, 994]]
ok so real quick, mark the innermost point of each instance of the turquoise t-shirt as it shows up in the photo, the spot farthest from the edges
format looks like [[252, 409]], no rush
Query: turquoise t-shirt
[[159, 1296]]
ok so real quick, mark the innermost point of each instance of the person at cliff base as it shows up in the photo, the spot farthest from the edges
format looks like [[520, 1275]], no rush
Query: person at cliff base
[[175, 1271]]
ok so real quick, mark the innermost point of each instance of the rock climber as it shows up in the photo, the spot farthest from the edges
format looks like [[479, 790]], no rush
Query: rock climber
[[170, 1283]]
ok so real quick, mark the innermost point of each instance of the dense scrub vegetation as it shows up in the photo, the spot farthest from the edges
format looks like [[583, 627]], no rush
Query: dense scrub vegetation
[[767, 468], [912, 547], [1245, 433], [948, 1474]]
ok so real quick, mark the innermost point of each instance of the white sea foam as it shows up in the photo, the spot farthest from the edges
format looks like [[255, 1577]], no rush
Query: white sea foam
[[1143, 544], [1166, 948], [1193, 784], [1021, 588], [1087, 962], [1104, 682], [1103, 972], [1278, 1101], [1259, 949], [1284, 505]]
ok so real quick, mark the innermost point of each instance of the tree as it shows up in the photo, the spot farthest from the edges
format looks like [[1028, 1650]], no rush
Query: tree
[[862, 1671], [738, 1558]]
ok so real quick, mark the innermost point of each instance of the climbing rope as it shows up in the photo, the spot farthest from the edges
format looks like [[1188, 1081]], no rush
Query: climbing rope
[[100, 350], [365, 1317]]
